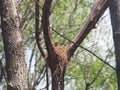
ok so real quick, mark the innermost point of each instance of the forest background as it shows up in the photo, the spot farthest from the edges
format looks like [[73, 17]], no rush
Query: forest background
[[67, 17]]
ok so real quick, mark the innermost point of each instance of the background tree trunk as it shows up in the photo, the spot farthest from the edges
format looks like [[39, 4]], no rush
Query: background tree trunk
[[13, 46], [115, 20]]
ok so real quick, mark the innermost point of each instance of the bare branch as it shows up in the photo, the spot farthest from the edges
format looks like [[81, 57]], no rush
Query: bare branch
[[46, 26], [47, 78], [27, 16], [3, 71], [98, 9], [39, 78], [30, 61], [77, 2], [37, 28]]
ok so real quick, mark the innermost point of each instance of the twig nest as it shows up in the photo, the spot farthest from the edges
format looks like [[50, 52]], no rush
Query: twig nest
[[61, 51]]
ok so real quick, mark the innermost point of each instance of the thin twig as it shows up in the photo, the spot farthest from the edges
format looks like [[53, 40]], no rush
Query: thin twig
[[39, 78], [31, 58], [85, 49], [47, 77], [3, 69]]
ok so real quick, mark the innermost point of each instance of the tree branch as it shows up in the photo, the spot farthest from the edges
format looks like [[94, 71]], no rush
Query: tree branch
[[46, 27], [37, 28], [30, 61], [85, 49], [98, 9]]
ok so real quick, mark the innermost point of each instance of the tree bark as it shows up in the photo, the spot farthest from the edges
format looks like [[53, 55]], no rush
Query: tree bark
[[98, 9], [57, 55], [115, 20], [46, 27], [58, 73], [13, 46], [58, 64]]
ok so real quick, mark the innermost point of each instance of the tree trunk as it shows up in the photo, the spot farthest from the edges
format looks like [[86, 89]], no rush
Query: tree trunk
[[13, 46], [58, 64], [57, 55], [58, 73], [115, 20]]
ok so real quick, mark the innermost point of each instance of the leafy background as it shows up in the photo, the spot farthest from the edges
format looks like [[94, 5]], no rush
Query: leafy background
[[85, 71]]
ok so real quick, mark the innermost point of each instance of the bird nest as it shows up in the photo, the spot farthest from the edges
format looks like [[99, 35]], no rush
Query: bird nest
[[61, 51]]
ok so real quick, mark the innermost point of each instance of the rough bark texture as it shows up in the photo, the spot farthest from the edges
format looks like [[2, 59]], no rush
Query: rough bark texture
[[58, 64], [46, 27], [13, 46], [115, 20], [57, 55], [98, 9]]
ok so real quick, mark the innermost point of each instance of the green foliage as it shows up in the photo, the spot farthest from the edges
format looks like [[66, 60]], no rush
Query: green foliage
[[67, 17], [96, 73]]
